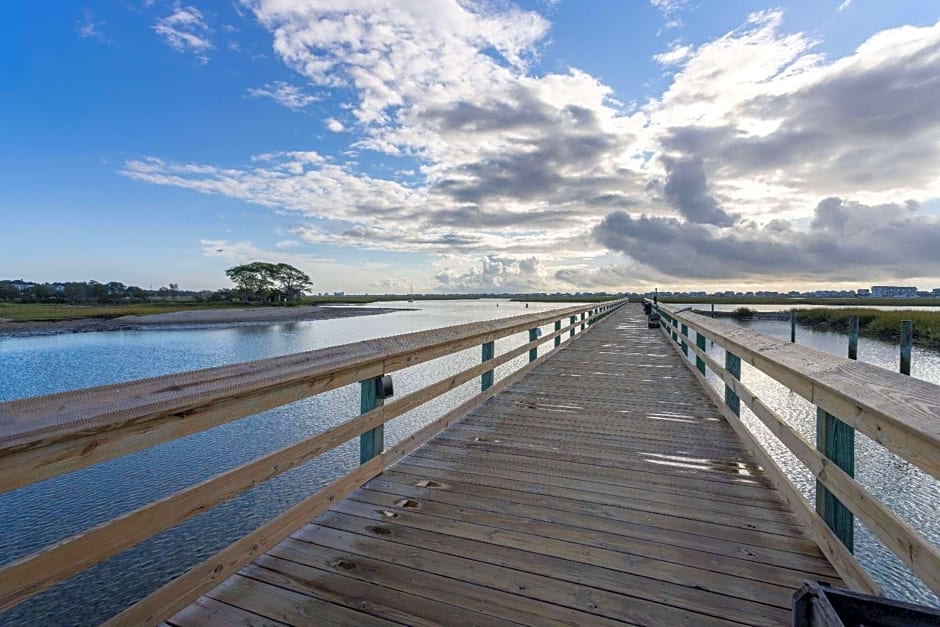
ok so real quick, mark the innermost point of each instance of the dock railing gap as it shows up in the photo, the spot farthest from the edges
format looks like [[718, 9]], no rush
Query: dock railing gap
[[896, 411], [47, 436]]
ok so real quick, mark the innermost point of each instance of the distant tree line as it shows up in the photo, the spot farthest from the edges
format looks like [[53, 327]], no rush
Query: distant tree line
[[257, 282], [71, 292]]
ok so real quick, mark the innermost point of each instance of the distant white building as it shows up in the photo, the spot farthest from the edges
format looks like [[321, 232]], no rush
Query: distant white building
[[893, 291]]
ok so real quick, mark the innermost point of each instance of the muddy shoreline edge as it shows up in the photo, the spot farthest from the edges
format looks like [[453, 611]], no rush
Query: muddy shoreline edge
[[218, 318]]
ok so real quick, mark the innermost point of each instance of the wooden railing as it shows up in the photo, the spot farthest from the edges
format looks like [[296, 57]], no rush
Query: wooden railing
[[899, 412], [47, 436]]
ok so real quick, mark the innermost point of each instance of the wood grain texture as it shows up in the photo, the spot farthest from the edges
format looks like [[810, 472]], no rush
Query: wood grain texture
[[580, 494], [899, 412]]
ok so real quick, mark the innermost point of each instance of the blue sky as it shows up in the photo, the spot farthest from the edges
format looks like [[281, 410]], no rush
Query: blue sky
[[473, 146]]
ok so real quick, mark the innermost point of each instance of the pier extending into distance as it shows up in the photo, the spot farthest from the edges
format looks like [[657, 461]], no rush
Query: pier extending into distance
[[603, 482]]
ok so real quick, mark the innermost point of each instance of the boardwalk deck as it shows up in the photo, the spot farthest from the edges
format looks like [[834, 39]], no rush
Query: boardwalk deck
[[601, 488]]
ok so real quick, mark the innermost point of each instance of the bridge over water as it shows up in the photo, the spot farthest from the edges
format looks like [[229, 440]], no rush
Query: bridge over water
[[603, 482]]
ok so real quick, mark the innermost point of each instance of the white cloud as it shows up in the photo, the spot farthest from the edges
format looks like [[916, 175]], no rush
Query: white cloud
[[284, 94], [287, 243], [671, 10], [185, 30], [675, 55], [845, 5], [89, 28], [511, 164]]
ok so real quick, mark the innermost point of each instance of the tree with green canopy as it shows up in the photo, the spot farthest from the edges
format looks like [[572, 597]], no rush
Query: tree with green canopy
[[259, 281]]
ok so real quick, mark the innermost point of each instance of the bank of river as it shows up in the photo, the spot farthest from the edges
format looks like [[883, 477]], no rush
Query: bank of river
[[185, 319]]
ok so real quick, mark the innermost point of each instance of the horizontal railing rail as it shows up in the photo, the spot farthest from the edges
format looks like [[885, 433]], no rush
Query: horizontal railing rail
[[899, 412], [47, 436]]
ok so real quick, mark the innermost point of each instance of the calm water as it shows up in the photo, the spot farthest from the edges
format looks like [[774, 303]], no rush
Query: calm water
[[35, 516], [909, 492]]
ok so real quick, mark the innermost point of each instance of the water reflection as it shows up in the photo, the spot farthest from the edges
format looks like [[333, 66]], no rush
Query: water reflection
[[38, 515]]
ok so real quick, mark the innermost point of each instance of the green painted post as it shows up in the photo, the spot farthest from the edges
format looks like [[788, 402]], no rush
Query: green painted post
[[733, 366], [685, 333], [675, 325], [853, 337], [793, 326], [574, 320], [533, 352], [835, 440], [371, 443], [582, 321], [700, 342], [907, 337], [486, 379], [557, 334]]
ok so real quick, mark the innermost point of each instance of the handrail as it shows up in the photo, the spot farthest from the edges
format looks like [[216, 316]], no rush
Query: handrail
[[80, 428], [900, 413]]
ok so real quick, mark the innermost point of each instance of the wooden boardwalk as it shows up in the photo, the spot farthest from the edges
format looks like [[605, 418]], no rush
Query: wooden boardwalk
[[601, 488]]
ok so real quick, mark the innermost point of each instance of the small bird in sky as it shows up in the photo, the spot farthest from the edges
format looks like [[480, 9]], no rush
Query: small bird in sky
[[218, 250]]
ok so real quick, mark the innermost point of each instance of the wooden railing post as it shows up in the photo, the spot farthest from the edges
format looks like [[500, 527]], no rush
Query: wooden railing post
[[733, 366], [685, 334], [793, 326], [372, 442], [557, 334], [907, 337], [486, 379], [836, 440], [582, 321], [574, 320], [700, 342], [533, 352], [853, 337]]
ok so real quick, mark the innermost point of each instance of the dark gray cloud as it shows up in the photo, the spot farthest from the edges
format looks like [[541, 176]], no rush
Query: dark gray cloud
[[845, 240], [868, 125], [687, 191]]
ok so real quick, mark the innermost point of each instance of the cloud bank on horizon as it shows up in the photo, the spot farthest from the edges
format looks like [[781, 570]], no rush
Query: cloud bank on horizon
[[760, 160]]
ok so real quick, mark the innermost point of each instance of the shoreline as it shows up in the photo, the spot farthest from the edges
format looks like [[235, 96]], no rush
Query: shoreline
[[203, 318]]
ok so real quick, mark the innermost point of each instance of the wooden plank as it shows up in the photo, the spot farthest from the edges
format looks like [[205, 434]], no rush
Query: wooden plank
[[502, 493], [492, 599], [209, 612], [706, 554], [571, 543], [289, 607], [361, 595], [335, 529]]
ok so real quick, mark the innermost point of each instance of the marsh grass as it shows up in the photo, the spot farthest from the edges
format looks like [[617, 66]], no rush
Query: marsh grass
[[878, 324]]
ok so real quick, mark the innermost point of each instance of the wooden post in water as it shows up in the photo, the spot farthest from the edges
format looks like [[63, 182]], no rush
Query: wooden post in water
[[907, 338], [713, 310], [835, 440], [557, 334], [533, 352], [685, 334], [853, 337], [700, 342], [793, 326], [371, 443], [733, 366], [486, 379], [573, 321]]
